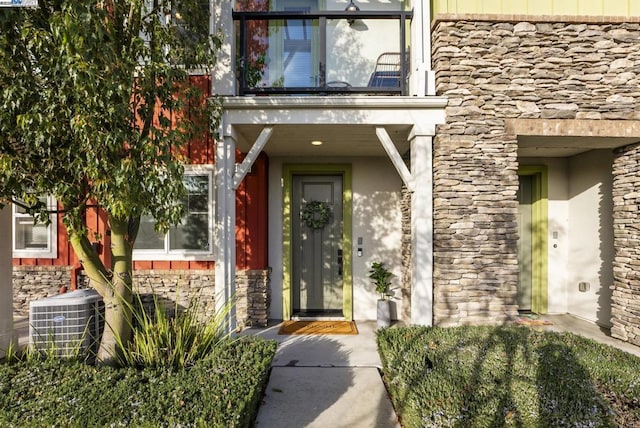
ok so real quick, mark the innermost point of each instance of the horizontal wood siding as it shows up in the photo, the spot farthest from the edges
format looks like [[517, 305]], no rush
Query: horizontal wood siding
[[628, 8], [251, 216]]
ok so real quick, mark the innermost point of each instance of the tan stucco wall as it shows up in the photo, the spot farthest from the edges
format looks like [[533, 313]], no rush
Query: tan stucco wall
[[580, 233]]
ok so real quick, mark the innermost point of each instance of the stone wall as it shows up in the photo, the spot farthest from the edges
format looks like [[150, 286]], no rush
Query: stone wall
[[171, 287], [491, 72], [177, 287], [253, 294], [625, 308], [35, 283]]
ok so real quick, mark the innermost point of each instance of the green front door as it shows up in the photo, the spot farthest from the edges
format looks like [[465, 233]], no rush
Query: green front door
[[317, 279], [532, 242], [525, 248], [317, 257]]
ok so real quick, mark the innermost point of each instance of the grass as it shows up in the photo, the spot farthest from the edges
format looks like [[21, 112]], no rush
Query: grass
[[507, 377]]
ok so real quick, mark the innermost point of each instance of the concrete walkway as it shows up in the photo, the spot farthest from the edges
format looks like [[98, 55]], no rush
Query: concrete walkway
[[325, 381]]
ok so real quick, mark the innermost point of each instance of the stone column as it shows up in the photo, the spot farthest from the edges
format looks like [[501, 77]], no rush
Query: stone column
[[625, 299], [6, 293], [422, 227]]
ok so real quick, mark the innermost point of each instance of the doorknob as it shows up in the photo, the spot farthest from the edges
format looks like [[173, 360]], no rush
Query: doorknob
[[340, 262]]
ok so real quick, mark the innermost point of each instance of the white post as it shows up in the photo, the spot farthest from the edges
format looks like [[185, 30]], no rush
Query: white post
[[6, 289], [422, 227], [226, 223], [422, 80], [222, 21]]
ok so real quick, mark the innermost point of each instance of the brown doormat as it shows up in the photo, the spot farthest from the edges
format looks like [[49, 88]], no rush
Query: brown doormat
[[532, 321], [318, 327]]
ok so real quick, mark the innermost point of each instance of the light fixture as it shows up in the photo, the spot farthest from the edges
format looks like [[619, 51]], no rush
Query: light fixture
[[316, 143], [352, 7]]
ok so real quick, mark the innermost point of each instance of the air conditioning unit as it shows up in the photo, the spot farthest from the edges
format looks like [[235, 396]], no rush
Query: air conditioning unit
[[67, 325]]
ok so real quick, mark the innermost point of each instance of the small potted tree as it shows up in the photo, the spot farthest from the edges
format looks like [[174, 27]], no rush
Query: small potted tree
[[381, 278]]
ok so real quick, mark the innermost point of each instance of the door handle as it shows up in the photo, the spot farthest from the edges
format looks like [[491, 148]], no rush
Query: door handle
[[340, 262]]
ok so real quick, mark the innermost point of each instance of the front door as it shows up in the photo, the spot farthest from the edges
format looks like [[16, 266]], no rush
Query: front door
[[317, 239], [532, 242], [525, 249]]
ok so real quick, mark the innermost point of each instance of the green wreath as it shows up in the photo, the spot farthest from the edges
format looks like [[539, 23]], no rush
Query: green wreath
[[316, 214]]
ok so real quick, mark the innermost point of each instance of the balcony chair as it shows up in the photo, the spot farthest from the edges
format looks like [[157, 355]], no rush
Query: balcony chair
[[386, 73]]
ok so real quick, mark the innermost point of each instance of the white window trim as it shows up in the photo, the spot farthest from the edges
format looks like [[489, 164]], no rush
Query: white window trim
[[187, 255], [51, 252]]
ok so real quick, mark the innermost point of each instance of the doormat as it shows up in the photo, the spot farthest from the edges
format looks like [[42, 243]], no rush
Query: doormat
[[532, 320], [318, 327]]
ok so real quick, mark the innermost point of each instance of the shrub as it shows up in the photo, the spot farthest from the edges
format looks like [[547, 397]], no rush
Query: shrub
[[222, 390], [171, 338], [507, 376]]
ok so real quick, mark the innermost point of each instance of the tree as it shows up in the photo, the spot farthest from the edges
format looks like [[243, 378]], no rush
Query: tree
[[93, 111]]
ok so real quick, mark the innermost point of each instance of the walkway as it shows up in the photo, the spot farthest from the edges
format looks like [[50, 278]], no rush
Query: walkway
[[325, 381]]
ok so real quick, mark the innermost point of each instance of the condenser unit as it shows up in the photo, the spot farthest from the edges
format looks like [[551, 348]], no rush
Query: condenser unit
[[67, 325]]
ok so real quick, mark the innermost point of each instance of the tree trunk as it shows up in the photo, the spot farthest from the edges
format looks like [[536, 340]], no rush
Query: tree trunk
[[115, 287], [118, 303]]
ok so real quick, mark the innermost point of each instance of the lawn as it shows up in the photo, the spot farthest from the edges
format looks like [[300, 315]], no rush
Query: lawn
[[221, 390], [507, 377]]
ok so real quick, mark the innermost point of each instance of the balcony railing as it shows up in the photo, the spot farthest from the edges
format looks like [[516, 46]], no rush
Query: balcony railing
[[327, 53]]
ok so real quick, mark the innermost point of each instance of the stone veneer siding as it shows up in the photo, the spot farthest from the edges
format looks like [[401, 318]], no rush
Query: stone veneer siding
[[625, 308], [492, 71], [254, 297], [170, 286], [35, 283]]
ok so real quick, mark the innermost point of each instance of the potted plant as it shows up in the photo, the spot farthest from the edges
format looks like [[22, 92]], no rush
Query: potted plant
[[381, 278]]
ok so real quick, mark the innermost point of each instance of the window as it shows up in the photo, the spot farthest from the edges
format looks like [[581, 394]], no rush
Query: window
[[193, 237], [35, 240]]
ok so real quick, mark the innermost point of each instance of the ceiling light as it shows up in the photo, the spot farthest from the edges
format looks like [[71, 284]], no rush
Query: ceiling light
[[352, 7], [316, 143]]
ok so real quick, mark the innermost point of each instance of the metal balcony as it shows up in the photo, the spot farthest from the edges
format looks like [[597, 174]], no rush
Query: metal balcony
[[322, 53]]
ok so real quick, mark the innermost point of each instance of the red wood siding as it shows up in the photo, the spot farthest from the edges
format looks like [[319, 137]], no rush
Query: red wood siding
[[251, 215]]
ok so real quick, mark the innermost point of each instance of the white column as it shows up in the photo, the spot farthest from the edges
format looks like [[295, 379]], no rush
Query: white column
[[6, 289], [222, 21], [422, 227], [422, 78], [225, 225]]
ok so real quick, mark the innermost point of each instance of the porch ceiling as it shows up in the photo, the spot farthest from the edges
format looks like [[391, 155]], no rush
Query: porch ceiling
[[557, 146], [337, 140], [345, 125]]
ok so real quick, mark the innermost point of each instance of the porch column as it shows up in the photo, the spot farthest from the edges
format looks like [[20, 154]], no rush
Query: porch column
[[221, 21], [225, 273], [422, 226], [6, 289]]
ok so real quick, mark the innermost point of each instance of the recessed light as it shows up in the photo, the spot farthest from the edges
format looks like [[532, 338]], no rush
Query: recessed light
[[316, 143]]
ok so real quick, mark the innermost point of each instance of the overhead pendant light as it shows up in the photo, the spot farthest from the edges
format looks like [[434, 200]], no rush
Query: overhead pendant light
[[352, 7]]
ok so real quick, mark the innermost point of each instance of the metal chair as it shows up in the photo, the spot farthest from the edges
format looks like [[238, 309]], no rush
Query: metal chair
[[386, 73]]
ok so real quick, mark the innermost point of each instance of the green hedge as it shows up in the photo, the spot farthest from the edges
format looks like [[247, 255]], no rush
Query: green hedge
[[222, 390], [507, 376]]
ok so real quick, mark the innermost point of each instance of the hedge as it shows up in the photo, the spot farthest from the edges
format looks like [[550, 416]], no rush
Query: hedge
[[222, 390]]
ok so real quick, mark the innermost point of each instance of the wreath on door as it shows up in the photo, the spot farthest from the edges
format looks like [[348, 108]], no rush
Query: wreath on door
[[316, 214]]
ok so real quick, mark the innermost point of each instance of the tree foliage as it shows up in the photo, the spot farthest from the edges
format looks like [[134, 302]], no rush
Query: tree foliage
[[95, 108]]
